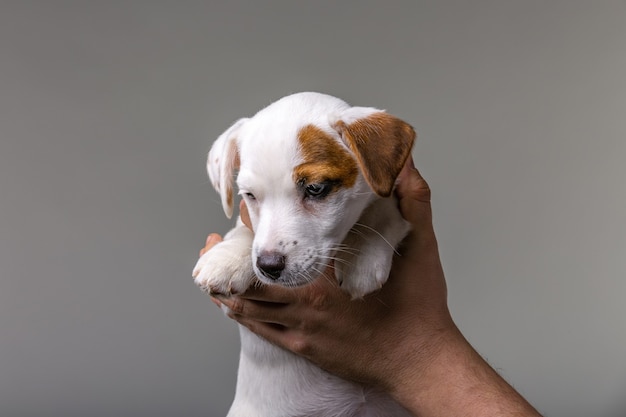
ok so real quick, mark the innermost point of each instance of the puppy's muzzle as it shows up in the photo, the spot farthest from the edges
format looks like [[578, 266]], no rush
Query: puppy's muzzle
[[271, 264]]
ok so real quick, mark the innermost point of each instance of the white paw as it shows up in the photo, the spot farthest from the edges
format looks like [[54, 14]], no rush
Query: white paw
[[365, 277], [372, 241], [226, 268]]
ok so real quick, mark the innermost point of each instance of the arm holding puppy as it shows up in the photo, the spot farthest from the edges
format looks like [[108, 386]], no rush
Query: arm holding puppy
[[401, 338]]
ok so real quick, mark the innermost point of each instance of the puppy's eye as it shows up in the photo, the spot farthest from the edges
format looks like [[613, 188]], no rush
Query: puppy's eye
[[317, 190], [249, 196]]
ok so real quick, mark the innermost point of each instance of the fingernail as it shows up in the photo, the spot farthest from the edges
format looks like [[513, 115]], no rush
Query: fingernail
[[212, 238]]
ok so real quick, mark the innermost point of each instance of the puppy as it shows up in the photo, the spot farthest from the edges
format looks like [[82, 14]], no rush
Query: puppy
[[317, 176]]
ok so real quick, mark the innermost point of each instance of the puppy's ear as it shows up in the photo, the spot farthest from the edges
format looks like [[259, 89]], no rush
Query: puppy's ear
[[381, 143], [222, 162]]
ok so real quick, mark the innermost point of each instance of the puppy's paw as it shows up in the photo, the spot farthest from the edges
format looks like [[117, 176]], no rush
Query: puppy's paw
[[372, 241], [365, 277], [227, 267]]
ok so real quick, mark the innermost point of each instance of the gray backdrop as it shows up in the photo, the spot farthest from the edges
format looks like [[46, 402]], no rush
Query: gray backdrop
[[107, 110]]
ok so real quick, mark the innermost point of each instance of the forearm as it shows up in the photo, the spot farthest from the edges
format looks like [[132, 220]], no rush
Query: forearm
[[458, 382]]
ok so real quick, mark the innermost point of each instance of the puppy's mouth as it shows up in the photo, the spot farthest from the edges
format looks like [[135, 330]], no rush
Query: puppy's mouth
[[277, 268]]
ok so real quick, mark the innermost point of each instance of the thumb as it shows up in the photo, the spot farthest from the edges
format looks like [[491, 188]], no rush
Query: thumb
[[414, 198]]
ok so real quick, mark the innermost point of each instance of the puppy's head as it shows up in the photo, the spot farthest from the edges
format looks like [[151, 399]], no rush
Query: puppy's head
[[308, 166]]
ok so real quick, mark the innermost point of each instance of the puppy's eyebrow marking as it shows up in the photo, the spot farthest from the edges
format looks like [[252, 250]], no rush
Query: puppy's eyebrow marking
[[324, 159]]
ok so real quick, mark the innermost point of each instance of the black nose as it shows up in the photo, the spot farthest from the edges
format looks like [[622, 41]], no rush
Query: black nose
[[271, 264]]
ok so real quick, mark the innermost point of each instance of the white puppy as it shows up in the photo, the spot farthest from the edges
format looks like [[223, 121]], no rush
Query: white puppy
[[317, 176]]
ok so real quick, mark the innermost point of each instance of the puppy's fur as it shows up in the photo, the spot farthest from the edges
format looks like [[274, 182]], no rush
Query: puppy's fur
[[317, 176]]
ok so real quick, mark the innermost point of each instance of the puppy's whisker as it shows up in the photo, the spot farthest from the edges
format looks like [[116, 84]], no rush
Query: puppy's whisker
[[306, 276], [327, 277], [338, 260], [358, 233], [338, 254], [378, 234], [346, 249]]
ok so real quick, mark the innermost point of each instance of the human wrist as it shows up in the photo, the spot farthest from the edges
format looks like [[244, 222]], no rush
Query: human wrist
[[425, 367], [452, 379]]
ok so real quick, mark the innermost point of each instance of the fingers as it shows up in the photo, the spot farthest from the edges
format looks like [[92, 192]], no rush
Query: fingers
[[281, 305], [261, 303], [260, 311], [278, 335], [271, 294], [277, 294], [211, 240]]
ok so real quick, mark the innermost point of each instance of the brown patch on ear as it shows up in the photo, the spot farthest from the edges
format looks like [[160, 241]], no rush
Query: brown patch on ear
[[230, 197], [382, 143], [324, 159], [230, 164]]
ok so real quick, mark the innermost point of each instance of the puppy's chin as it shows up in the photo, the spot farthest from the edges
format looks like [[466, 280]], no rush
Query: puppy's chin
[[286, 281]]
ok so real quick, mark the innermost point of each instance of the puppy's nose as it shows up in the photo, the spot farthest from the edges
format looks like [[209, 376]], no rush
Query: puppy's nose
[[271, 264]]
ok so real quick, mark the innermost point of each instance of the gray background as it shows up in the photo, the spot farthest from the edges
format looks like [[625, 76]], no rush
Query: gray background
[[107, 110]]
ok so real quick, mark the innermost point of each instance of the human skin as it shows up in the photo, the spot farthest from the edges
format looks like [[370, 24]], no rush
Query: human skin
[[401, 338]]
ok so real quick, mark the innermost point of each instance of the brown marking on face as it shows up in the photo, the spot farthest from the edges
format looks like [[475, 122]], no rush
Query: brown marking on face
[[325, 160], [382, 143]]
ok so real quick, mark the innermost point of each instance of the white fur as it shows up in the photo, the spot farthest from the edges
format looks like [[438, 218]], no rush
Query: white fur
[[354, 226]]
